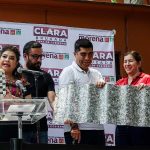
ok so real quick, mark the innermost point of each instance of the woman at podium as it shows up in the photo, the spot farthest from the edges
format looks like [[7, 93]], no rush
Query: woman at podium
[[129, 135], [16, 86]]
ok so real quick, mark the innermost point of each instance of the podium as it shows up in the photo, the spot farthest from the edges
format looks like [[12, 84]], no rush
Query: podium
[[22, 111]]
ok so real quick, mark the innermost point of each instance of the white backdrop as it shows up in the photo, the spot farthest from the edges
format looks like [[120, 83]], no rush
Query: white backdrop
[[58, 46]]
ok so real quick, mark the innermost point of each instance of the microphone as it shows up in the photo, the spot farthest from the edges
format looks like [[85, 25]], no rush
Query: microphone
[[20, 85], [22, 70]]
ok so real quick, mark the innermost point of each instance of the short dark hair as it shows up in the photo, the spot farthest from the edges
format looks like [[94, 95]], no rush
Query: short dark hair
[[17, 53], [135, 55], [85, 43], [12, 49], [31, 44]]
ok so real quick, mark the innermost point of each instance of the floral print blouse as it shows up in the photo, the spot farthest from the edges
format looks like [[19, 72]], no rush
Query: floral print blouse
[[16, 91]]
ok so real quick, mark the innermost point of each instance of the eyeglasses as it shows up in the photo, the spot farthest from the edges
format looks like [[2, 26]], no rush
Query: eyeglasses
[[36, 56]]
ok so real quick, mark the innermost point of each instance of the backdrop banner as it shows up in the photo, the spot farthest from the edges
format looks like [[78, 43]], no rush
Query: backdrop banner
[[58, 47]]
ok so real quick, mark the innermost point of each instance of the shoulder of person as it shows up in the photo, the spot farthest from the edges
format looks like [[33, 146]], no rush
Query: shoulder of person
[[45, 73], [66, 76], [46, 76], [120, 81], [94, 70], [146, 75], [67, 69]]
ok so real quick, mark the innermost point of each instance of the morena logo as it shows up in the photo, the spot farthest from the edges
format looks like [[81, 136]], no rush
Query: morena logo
[[10, 31], [97, 38], [52, 55], [56, 140]]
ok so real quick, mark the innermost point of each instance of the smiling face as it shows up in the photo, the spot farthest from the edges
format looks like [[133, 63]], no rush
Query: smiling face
[[84, 58], [8, 61], [130, 65]]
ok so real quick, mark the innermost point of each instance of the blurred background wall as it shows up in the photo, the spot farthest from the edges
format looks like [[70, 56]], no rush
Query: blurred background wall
[[131, 21]]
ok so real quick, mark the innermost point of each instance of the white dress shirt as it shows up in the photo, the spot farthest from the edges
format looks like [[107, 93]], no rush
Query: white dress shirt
[[74, 74]]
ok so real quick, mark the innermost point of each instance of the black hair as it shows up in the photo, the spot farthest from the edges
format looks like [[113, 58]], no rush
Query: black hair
[[15, 50], [12, 49], [135, 55], [85, 43], [31, 44]]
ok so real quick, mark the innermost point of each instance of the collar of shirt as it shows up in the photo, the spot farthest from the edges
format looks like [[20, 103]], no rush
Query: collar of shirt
[[136, 79], [74, 64]]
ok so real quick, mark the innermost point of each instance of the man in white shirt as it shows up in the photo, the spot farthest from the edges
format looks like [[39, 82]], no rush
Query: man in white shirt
[[80, 73]]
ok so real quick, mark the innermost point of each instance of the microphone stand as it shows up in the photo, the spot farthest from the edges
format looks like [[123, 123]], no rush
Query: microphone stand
[[36, 76], [36, 84], [16, 143]]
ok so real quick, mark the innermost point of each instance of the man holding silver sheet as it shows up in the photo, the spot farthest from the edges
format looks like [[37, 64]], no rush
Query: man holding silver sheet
[[80, 73]]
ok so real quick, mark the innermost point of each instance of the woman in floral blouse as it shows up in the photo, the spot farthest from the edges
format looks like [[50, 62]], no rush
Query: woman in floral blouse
[[9, 62]]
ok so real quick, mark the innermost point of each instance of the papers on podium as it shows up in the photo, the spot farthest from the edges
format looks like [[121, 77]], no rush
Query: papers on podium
[[27, 108], [30, 110], [14, 110]]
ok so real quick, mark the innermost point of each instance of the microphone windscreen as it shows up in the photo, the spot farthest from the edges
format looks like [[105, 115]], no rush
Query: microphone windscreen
[[19, 70], [18, 82]]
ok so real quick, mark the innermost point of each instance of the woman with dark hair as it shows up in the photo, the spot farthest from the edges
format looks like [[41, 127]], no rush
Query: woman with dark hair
[[132, 67], [9, 62], [128, 135]]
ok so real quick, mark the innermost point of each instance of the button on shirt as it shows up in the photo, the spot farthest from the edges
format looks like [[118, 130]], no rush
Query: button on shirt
[[74, 74]]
